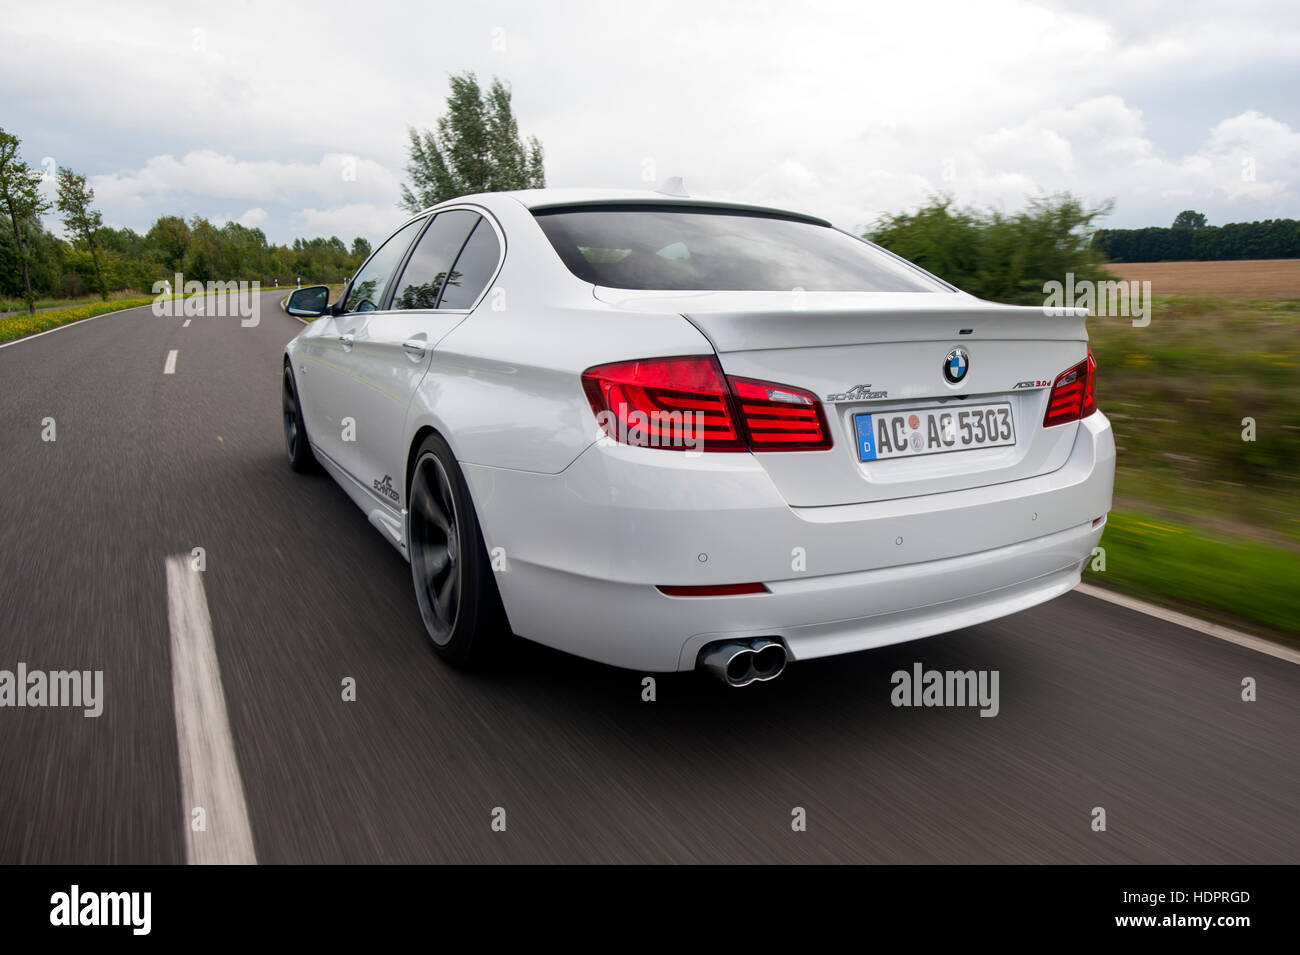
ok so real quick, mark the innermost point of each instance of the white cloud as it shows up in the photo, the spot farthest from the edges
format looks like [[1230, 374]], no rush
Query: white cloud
[[370, 220], [253, 218], [1098, 148], [844, 110], [205, 172]]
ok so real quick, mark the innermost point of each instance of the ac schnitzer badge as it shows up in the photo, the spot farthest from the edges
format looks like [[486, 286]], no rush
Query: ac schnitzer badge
[[858, 393], [386, 488]]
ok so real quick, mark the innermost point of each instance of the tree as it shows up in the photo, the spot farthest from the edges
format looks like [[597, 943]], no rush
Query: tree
[[477, 148], [204, 260], [170, 235], [20, 192], [1188, 219], [993, 255], [80, 219], [360, 248], [44, 255]]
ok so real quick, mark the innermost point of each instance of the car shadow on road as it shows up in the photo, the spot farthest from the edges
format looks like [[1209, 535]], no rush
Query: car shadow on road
[[852, 687]]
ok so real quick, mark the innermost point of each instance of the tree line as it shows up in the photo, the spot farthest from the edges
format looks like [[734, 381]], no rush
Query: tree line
[[98, 259], [476, 147], [1191, 239]]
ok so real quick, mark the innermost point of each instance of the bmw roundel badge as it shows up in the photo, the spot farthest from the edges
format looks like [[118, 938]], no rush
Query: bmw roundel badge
[[956, 365]]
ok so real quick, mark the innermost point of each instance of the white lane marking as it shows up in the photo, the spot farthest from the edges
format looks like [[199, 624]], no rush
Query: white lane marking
[[170, 367], [209, 771], [1192, 623], [186, 323]]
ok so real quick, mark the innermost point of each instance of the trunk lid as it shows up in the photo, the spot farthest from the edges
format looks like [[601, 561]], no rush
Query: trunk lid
[[882, 354]]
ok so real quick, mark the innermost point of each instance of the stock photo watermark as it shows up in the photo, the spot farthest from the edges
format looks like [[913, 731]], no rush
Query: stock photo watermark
[[192, 298], [29, 688], [656, 429], [78, 907], [1107, 299], [920, 687]]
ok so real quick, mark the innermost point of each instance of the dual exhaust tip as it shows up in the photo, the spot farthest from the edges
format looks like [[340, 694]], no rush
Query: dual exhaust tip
[[742, 662]]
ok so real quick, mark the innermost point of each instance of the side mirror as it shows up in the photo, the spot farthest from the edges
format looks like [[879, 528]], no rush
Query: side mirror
[[310, 302]]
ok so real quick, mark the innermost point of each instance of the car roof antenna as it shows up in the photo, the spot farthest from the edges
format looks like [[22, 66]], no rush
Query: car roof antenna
[[673, 186]]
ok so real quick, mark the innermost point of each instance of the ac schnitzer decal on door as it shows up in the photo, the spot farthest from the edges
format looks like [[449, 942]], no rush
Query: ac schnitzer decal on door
[[385, 487]]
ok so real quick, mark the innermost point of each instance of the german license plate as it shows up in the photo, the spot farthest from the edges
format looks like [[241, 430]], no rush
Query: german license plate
[[919, 431]]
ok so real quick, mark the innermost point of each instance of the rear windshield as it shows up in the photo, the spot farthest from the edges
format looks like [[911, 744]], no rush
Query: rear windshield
[[689, 249]]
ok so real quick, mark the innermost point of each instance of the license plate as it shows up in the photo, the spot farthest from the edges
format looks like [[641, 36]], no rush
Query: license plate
[[915, 432]]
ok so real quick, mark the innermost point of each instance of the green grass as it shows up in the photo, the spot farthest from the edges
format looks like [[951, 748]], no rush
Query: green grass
[[20, 305], [1176, 393], [20, 326], [1206, 522], [1229, 579]]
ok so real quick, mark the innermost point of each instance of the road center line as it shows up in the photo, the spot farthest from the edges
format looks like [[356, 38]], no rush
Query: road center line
[[170, 367], [210, 777]]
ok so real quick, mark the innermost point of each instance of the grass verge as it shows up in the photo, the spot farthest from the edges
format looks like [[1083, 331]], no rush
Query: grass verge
[[1235, 581], [20, 305], [1181, 394], [20, 326]]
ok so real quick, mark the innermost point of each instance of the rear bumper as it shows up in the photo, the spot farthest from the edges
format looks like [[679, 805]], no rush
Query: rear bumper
[[878, 607], [581, 553]]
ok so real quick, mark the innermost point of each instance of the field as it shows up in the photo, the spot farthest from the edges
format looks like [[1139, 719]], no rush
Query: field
[[1207, 520], [1181, 391], [1244, 279]]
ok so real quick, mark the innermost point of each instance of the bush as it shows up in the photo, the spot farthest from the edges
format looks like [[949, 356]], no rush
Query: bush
[[993, 255]]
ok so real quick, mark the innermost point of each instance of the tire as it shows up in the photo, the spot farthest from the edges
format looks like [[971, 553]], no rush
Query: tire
[[295, 431], [454, 583]]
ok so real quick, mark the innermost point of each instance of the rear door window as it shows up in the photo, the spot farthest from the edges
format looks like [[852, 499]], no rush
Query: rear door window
[[473, 269], [431, 261]]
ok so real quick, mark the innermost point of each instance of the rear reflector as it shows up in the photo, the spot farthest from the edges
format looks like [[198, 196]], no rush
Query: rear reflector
[[687, 404], [1072, 395], [714, 590]]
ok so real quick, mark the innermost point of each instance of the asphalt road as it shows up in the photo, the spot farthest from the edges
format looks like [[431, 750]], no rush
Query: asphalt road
[[1100, 706]]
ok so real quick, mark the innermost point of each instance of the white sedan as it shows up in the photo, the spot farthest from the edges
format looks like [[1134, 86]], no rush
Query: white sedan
[[667, 433]]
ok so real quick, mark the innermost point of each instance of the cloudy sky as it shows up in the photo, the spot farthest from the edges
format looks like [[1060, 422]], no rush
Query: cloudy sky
[[293, 118]]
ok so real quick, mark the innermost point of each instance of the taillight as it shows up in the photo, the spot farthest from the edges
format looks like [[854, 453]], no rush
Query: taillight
[[677, 403], [779, 417], [686, 403], [1073, 395]]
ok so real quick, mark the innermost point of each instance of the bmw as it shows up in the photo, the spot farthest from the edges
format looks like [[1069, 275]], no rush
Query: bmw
[[669, 433]]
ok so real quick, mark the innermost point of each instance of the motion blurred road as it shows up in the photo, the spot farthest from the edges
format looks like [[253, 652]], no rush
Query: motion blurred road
[[1100, 706]]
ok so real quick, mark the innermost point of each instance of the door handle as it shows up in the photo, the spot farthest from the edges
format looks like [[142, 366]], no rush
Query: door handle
[[414, 347], [346, 340]]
